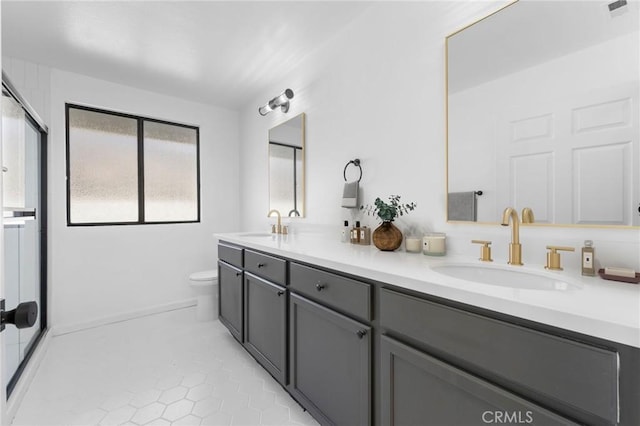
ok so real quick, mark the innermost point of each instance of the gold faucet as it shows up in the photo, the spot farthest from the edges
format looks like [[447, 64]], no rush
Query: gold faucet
[[515, 248], [277, 229], [527, 215]]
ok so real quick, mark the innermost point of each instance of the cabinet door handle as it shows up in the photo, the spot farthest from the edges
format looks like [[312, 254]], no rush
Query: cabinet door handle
[[238, 274], [320, 287], [361, 333], [261, 265], [280, 293]]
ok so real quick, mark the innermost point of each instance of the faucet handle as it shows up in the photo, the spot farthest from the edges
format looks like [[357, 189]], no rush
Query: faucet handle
[[553, 257], [485, 250]]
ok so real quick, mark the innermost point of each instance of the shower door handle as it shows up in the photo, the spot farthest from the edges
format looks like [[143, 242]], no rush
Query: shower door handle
[[23, 316]]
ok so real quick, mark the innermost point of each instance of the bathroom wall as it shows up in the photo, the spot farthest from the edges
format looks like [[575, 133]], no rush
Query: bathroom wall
[[105, 272], [376, 92]]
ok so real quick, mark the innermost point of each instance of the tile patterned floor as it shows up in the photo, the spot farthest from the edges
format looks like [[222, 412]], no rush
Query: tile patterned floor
[[164, 369]]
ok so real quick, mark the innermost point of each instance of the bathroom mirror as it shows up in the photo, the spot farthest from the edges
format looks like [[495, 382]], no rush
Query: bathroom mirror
[[542, 112], [286, 167]]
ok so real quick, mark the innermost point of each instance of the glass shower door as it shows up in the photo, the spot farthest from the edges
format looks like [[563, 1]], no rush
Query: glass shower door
[[23, 223]]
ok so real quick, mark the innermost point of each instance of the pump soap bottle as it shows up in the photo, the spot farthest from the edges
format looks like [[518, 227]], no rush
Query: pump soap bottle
[[588, 259], [345, 233]]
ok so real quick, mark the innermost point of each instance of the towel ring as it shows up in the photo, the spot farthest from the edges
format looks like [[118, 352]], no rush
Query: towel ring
[[356, 163]]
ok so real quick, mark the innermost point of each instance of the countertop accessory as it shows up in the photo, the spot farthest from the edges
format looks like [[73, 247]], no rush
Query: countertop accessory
[[605, 276], [553, 257], [413, 244], [365, 236], [387, 237], [345, 233], [434, 244], [282, 101], [485, 250], [588, 259]]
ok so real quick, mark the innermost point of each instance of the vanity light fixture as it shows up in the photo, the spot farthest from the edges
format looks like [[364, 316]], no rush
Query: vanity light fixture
[[282, 101]]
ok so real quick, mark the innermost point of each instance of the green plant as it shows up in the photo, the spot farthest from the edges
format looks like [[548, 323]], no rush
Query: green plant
[[387, 212]]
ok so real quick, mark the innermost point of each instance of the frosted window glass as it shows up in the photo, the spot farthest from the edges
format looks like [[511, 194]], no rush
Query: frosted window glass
[[170, 173], [103, 163]]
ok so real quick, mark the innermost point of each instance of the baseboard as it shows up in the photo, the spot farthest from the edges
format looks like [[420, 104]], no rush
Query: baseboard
[[29, 372], [124, 316]]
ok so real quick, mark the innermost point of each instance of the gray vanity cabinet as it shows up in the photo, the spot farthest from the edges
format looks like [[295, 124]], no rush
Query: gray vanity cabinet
[[330, 363], [418, 389], [230, 298], [265, 324], [579, 380]]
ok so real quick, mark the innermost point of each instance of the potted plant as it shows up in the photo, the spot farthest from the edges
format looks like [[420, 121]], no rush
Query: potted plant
[[387, 237]]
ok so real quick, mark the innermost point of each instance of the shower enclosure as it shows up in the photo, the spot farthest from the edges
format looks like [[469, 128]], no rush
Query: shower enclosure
[[24, 233]]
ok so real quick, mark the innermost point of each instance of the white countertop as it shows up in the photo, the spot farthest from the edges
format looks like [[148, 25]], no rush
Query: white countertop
[[593, 306]]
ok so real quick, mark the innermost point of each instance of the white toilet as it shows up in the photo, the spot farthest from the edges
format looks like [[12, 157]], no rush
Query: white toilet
[[205, 287]]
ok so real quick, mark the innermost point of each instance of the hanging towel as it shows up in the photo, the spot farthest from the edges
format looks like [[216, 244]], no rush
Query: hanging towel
[[462, 206], [350, 195]]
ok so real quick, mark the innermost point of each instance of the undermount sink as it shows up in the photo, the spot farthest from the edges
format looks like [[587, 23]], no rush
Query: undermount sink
[[504, 277], [257, 234]]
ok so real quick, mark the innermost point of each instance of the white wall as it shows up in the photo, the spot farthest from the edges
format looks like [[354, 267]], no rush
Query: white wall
[[33, 81], [103, 271], [376, 92]]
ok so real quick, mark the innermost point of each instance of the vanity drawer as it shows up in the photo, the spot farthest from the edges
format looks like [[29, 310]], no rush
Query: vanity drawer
[[230, 254], [570, 373], [350, 296], [272, 268]]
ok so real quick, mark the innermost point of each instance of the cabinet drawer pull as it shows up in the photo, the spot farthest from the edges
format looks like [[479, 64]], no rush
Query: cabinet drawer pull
[[320, 287], [361, 333], [261, 265], [238, 274], [280, 293]]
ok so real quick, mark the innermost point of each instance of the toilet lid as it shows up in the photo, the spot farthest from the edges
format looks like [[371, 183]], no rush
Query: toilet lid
[[204, 275]]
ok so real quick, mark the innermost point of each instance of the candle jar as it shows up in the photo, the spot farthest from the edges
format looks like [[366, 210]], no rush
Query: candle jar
[[434, 244], [412, 244]]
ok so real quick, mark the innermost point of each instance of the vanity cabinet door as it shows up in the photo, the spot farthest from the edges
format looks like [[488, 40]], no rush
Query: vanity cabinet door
[[330, 363], [265, 322], [417, 389], [230, 298]]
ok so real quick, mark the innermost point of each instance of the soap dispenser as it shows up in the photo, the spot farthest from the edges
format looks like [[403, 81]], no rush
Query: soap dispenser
[[345, 235]]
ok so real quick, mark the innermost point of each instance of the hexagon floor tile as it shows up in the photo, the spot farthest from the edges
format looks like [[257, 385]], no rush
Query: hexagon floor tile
[[164, 369]]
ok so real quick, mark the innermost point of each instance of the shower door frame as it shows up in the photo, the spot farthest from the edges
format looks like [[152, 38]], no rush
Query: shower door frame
[[34, 119]]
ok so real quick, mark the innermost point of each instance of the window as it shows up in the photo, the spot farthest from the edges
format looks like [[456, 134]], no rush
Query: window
[[124, 169]]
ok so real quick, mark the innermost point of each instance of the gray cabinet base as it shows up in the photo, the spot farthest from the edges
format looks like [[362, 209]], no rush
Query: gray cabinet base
[[330, 364], [418, 389]]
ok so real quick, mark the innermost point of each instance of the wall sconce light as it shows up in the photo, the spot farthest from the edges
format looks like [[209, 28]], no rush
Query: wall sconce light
[[281, 101]]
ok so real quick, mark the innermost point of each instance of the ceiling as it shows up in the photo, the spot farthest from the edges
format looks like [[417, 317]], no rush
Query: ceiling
[[218, 52]]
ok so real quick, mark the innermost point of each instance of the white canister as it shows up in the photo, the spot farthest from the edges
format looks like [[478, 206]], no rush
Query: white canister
[[434, 244]]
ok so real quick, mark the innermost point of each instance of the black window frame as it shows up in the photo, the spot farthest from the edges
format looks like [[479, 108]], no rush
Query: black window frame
[[140, 120]]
